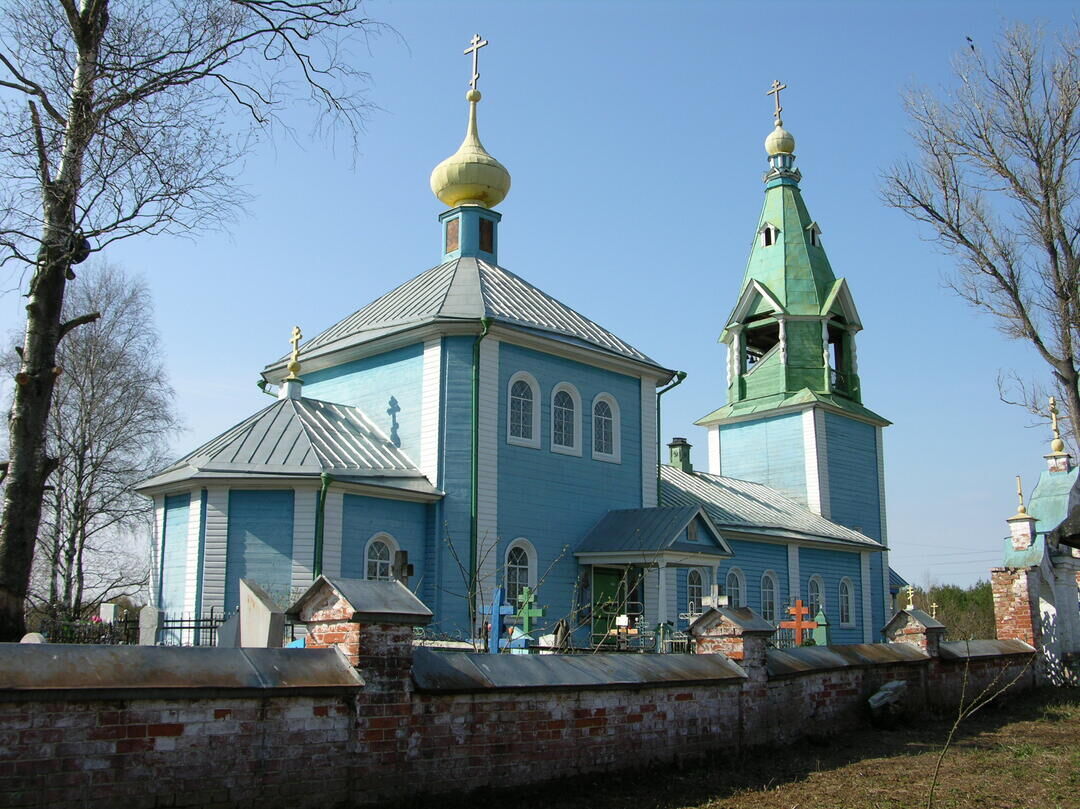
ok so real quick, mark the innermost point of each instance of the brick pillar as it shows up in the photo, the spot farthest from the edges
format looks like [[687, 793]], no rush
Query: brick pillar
[[329, 623], [1016, 604], [915, 627]]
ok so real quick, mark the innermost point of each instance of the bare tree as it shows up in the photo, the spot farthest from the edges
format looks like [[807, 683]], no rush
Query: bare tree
[[995, 178], [111, 420], [117, 118]]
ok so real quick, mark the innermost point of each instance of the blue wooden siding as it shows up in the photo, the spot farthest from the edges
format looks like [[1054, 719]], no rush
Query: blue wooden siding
[[768, 451], [449, 602], [753, 559], [363, 517], [370, 383], [554, 499], [853, 474], [174, 553], [260, 543], [832, 566]]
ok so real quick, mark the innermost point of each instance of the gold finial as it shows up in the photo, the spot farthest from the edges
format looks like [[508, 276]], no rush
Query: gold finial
[[475, 44], [1057, 446], [933, 610], [471, 176], [294, 361], [775, 92], [1021, 510], [911, 596], [780, 141]]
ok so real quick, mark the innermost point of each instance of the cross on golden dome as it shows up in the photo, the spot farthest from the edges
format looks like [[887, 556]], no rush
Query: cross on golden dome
[[475, 44], [775, 92]]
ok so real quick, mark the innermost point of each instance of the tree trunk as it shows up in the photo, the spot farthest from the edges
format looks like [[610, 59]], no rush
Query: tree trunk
[[29, 465]]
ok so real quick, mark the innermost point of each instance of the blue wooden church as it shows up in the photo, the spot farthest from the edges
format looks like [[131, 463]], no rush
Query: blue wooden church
[[501, 439]]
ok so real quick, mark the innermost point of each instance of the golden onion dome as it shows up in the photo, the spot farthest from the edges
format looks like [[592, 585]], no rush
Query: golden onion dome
[[779, 141], [471, 176]]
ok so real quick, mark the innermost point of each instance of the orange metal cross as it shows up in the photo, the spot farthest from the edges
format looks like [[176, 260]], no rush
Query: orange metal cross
[[799, 625]]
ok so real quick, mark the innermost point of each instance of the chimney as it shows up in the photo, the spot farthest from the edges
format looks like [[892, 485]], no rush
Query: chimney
[[680, 455]]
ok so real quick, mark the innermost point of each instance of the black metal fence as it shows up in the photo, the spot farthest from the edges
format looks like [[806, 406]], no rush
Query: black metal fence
[[124, 631], [191, 630]]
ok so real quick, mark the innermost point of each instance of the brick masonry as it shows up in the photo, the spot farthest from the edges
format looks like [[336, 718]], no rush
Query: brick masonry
[[388, 741]]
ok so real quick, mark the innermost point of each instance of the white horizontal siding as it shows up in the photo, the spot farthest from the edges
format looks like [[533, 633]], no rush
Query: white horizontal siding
[[191, 583], [430, 397], [216, 549]]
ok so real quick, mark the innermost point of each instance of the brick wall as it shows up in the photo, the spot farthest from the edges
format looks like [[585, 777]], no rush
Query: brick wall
[[387, 740]]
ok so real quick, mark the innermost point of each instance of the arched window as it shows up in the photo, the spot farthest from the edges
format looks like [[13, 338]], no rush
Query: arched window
[[520, 569], [379, 557], [847, 601], [695, 589], [566, 419], [816, 593], [523, 411], [736, 589], [605, 428], [768, 596]]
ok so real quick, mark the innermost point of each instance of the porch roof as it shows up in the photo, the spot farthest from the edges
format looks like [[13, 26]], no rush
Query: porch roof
[[653, 536]]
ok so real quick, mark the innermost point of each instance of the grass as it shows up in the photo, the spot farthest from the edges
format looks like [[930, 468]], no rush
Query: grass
[[1020, 754]]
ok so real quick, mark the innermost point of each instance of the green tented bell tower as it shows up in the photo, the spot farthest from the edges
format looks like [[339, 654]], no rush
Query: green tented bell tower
[[794, 418]]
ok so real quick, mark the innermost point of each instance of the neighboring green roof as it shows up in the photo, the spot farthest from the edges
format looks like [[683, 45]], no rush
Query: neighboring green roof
[[753, 407], [1049, 503]]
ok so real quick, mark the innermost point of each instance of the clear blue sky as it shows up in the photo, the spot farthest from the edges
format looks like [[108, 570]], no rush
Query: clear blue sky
[[633, 131]]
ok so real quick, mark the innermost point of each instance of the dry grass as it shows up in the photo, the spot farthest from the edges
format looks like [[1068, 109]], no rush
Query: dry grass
[[1022, 754]]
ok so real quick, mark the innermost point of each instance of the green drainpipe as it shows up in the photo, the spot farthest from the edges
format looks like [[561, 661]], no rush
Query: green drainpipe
[[320, 509], [474, 508], [679, 377]]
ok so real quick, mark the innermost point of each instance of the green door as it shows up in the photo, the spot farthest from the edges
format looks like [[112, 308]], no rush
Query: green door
[[609, 601]]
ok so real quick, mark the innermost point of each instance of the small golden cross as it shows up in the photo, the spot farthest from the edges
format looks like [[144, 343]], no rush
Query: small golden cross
[[297, 336], [775, 91], [1054, 417], [911, 596], [933, 610], [1020, 494], [474, 49]]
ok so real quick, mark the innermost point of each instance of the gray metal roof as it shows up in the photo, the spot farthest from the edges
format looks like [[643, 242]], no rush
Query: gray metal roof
[[466, 289], [961, 649], [300, 437], [61, 667], [371, 601], [469, 671], [799, 659], [647, 530], [754, 508]]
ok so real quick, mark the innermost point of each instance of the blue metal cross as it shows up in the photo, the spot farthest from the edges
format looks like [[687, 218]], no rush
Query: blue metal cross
[[498, 611]]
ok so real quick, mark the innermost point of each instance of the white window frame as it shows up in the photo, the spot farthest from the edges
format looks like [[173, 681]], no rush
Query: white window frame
[[772, 238], [530, 380], [821, 591], [702, 578], [848, 602], [772, 577], [391, 544], [575, 448], [741, 579], [530, 555], [615, 456]]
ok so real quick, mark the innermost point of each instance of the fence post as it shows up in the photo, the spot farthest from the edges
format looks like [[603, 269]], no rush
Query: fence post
[[149, 623]]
